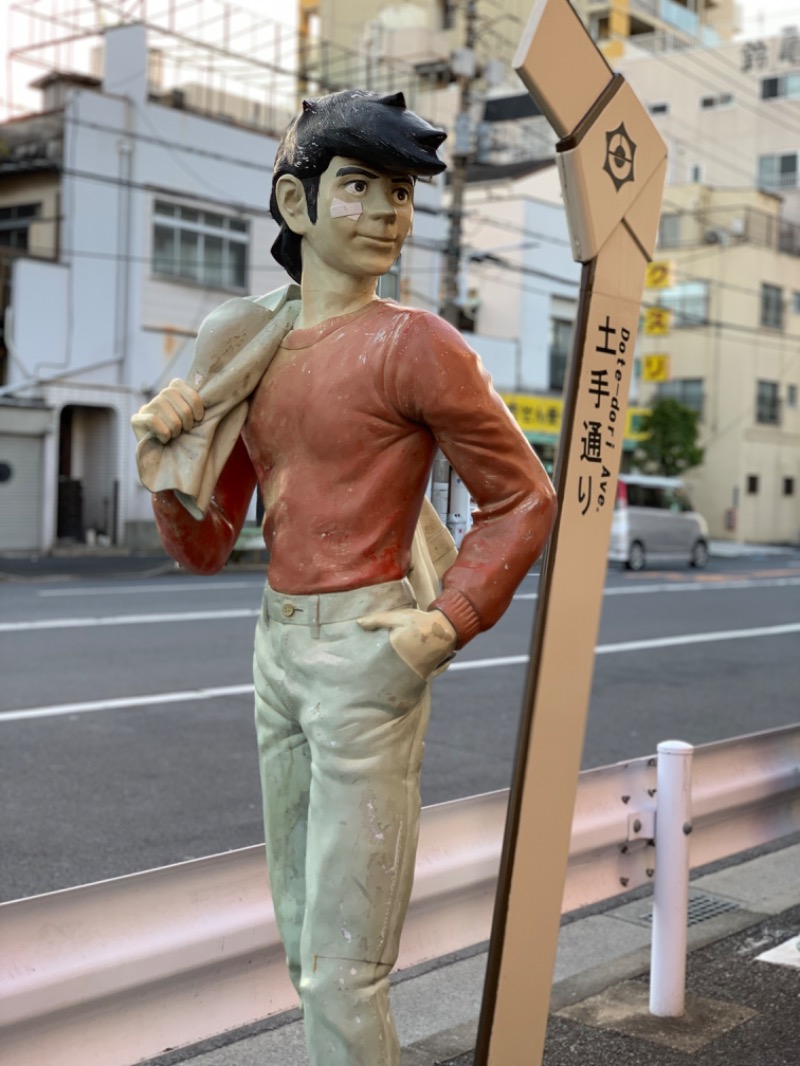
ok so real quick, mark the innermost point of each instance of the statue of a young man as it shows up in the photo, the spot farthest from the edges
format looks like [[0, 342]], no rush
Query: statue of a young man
[[339, 434]]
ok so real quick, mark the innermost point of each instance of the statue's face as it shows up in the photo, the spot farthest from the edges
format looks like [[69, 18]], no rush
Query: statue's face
[[363, 217]]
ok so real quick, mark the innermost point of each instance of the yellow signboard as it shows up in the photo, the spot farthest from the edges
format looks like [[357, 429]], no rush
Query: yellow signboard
[[535, 414], [656, 321], [655, 368], [540, 416], [659, 274]]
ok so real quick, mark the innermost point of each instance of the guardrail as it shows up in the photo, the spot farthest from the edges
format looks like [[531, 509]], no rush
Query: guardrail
[[124, 970]]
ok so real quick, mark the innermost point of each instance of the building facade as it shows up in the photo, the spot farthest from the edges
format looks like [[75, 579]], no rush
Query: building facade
[[721, 334], [125, 218], [729, 243], [720, 326], [421, 31], [129, 208]]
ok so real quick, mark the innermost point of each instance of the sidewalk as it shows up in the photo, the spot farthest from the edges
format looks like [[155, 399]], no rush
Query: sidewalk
[[730, 549], [82, 562], [741, 1010]]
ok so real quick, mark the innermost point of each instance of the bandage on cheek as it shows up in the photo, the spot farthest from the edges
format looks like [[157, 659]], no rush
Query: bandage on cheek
[[345, 209]]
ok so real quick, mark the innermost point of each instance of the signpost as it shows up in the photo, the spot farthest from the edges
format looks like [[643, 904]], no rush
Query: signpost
[[612, 164]]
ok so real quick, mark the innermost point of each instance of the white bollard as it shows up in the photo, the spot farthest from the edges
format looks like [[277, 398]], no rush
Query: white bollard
[[671, 897]]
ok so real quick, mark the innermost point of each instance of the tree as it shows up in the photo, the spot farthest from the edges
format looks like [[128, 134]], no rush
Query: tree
[[671, 443]]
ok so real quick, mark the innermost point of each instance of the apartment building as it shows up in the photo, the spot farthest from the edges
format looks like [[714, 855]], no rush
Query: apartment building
[[130, 207], [423, 30], [729, 238], [721, 334], [730, 115]]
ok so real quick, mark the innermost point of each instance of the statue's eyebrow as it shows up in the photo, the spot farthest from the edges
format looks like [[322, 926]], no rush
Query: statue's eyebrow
[[342, 172]]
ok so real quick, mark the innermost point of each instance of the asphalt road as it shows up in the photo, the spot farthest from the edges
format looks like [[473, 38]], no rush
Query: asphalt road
[[126, 737]]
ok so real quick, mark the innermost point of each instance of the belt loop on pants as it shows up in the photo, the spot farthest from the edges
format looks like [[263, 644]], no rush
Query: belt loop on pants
[[313, 617], [315, 610]]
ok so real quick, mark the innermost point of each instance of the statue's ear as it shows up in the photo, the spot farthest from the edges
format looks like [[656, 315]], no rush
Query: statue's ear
[[291, 197]]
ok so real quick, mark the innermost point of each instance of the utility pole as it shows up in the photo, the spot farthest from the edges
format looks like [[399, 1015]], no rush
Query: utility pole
[[449, 494], [464, 66]]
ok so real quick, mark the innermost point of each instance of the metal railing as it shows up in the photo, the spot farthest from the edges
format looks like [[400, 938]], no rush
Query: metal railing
[[122, 970]]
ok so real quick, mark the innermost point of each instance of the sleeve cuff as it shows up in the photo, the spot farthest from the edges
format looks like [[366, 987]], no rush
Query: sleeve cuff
[[461, 614]]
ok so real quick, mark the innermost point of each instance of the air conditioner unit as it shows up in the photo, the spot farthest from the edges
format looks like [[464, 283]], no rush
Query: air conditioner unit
[[713, 236]]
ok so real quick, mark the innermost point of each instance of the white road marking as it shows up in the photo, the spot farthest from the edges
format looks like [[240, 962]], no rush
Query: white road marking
[[699, 638], [58, 709], [207, 616], [126, 620], [786, 954], [472, 664], [124, 590], [687, 586], [645, 645]]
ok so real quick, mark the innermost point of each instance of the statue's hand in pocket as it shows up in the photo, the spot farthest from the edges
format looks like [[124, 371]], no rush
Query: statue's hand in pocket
[[424, 640]]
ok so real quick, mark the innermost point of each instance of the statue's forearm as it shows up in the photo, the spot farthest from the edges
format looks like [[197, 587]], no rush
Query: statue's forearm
[[204, 546]]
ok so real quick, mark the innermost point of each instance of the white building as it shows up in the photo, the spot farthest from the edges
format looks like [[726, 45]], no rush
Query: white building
[[125, 218]]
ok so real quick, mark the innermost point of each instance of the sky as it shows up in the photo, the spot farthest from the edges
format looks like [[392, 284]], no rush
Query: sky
[[763, 17]]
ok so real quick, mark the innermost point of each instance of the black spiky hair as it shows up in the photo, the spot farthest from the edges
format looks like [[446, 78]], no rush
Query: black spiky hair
[[374, 129]]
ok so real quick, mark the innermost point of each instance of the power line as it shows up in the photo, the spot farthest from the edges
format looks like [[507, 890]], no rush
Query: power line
[[162, 142], [746, 331]]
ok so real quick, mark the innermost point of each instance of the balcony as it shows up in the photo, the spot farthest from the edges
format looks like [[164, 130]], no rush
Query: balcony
[[729, 227]]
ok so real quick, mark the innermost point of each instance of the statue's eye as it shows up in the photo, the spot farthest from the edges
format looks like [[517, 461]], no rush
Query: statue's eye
[[356, 187], [402, 195]]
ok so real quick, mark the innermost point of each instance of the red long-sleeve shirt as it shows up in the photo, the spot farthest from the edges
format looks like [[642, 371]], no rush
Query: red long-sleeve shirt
[[340, 437]]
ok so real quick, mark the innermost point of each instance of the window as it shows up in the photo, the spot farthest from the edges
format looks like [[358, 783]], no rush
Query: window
[[658, 109], [652, 496], [771, 306], [200, 246], [678, 500], [560, 347], [688, 302], [770, 88], [796, 303], [752, 484], [767, 403], [696, 173], [708, 103], [791, 396], [389, 283], [669, 231], [447, 10], [788, 486], [15, 221], [777, 171], [785, 85], [688, 391], [599, 27]]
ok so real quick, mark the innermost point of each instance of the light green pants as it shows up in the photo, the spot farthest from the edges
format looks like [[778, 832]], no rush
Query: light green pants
[[341, 721]]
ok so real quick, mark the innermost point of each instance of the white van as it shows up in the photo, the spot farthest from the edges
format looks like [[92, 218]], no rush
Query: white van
[[654, 521]]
